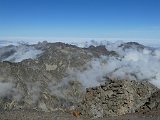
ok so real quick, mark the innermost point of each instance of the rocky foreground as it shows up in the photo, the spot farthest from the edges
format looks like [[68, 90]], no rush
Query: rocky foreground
[[43, 89]]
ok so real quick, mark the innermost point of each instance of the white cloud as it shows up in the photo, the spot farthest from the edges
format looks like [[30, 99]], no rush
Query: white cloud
[[18, 53]]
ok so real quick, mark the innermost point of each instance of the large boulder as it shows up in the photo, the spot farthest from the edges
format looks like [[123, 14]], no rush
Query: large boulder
[[116, 97]]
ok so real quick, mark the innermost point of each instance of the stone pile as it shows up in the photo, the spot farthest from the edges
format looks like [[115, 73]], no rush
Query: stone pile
[[116, 97]]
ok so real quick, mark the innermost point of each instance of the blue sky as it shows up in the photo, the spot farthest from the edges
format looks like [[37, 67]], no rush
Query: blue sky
[[112, 19]]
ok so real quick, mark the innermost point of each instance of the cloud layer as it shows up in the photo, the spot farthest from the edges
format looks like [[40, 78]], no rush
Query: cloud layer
[[18, 53], [134, 63]]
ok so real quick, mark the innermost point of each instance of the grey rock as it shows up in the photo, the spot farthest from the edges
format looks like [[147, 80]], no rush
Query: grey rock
[[119, 97]]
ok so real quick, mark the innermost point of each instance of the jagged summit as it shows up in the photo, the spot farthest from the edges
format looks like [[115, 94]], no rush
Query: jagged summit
[[134, 45]]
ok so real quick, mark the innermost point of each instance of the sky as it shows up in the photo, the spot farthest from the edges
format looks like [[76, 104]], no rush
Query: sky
[[80, 19]]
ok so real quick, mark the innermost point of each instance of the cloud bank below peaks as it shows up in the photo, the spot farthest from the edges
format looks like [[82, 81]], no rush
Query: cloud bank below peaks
[[134, 63], [18, 53]]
